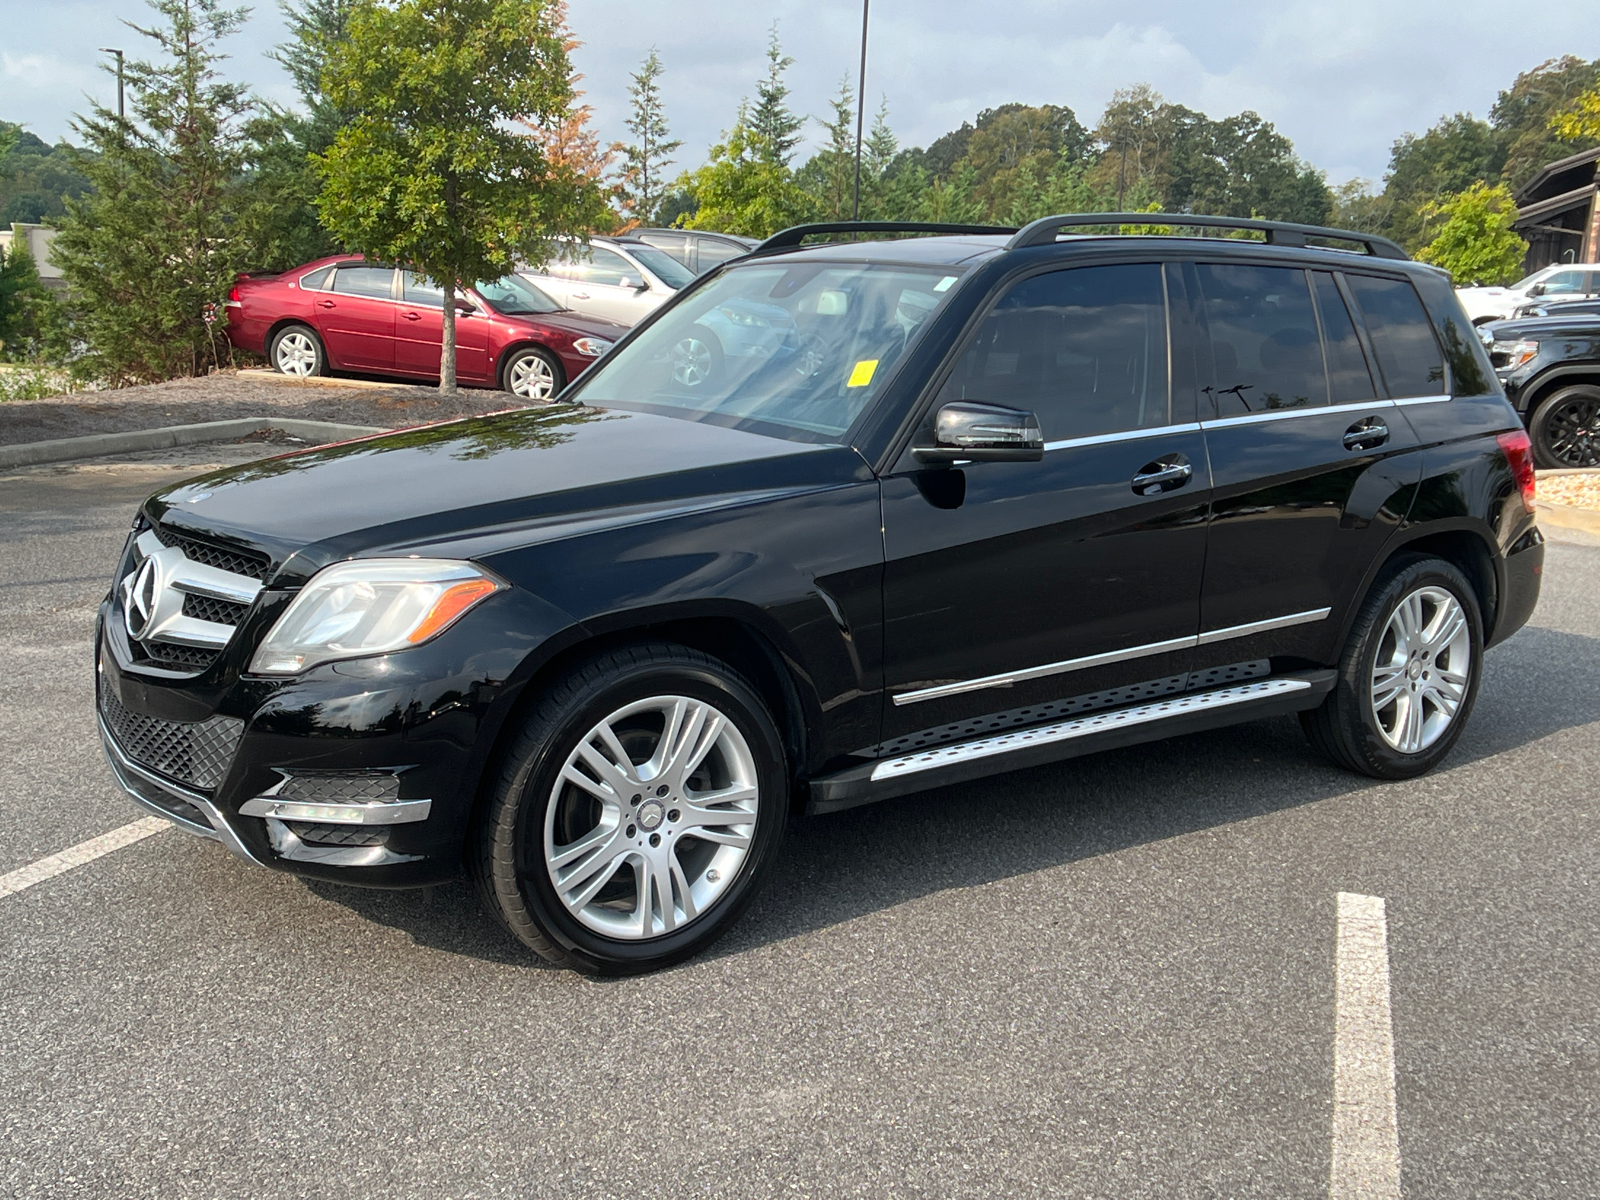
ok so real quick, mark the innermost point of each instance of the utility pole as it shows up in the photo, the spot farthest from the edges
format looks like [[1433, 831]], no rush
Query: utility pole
[[121, 110], [861, 106]]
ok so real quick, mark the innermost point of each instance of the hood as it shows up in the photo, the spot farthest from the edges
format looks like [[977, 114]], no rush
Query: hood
[[574, 323], [1533, 327], [507, 474]]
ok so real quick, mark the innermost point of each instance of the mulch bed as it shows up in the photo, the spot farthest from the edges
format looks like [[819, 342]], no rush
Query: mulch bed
[[1575, 491], [226, 396]]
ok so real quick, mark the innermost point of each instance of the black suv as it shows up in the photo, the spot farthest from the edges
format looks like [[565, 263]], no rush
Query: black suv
[[1550, 367], [840, 522]]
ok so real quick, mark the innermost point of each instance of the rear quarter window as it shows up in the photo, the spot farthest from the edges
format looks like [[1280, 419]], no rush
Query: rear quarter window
[[1402, 336]]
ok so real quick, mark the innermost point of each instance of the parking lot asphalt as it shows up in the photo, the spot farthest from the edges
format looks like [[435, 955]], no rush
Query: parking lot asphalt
[[1108, 978]]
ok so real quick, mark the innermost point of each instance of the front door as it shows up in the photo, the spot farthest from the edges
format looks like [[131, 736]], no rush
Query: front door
[[604, 284], [419, 333], [356, 317], [1312, 468], [1014, 585]]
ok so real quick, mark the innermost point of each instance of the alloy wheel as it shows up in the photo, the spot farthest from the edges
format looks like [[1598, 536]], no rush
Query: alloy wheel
[[1572, 431], [1421, 672], [532, 378], [297, 354], [651, 818], [691, 362]]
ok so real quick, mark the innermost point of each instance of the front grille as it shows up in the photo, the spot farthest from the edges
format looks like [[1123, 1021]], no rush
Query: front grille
[[207, 608], [196, 753], [330, 788], [172, 656], [313, 834], [240, 562]]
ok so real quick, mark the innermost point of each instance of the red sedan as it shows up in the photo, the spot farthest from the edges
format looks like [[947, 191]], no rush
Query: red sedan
[[346, 314]]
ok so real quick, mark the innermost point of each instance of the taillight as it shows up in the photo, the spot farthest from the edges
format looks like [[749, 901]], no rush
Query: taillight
[[233, 294], [1519, 453]]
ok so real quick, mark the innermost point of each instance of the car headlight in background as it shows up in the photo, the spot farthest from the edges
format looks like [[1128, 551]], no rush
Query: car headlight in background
[[591, 347], [748, 319], [371, 606], [1514, 353]]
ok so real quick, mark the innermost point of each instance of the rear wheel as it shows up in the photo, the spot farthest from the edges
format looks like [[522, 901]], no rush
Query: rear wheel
[[297, 350], [696, 360], [637, 814], [1566, 429], [1408, 676]]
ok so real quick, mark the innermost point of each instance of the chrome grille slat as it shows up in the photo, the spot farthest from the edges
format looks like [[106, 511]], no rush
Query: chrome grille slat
[[182, 609]]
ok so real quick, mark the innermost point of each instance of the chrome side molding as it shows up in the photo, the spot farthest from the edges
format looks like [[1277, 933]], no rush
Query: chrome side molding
[[1007, 678], [1061, 731]]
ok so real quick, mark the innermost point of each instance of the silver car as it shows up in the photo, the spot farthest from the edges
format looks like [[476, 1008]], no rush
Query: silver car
[[620, 279]]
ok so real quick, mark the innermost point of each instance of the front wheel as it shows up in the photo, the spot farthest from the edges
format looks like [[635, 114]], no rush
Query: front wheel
[[1566, 429], [1408, 676], [533, 375], [637, 814]]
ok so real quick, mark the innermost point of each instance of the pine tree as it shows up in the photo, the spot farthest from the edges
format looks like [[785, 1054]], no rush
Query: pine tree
[[829, 174], [644, 183], [151, 254], [772, 120]]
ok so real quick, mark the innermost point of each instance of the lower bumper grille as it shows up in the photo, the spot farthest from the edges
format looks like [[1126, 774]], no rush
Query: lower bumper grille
[[195, 753]]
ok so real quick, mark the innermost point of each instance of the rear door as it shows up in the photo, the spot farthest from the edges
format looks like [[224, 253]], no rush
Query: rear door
[[1010, 585], [1313, 467], [711, 252], [356, 316], [419, 333]]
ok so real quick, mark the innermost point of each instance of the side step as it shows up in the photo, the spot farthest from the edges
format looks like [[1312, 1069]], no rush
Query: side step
[[1170, 716]]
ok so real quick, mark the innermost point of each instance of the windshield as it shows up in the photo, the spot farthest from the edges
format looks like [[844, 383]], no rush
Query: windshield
[[666, 268], [798, 348], [512, 296]]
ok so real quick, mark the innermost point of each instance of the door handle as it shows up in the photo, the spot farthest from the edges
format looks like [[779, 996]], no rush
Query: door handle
[[1366, 434], [325, 304], [1163, 475], [580, 295], [411, 316]]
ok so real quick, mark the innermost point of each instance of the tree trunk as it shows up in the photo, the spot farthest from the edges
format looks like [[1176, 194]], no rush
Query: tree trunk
[[447, 346]]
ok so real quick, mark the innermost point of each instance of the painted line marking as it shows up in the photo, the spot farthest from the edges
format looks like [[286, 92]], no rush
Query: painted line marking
[[24, 878], [1366, 1131]]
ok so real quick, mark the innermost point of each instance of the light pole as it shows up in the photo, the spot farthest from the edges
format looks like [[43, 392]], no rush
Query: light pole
[[107, 50], [861, 106]]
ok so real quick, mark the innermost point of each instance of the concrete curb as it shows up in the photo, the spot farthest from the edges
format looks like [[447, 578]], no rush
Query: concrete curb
[[1564, 516], [315, 381], [97, 444]]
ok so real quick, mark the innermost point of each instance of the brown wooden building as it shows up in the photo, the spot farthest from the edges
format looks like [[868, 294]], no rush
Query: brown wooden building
[[1557, 212]]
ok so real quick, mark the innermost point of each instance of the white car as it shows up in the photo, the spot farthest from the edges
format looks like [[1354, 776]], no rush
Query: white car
[[1570, 281], [620, 279]]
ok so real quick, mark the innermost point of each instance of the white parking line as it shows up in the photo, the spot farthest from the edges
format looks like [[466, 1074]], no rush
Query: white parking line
[[1366, 1135], [24, 878]]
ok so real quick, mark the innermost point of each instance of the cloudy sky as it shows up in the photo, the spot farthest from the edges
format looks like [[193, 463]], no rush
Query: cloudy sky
[[1343, 78]]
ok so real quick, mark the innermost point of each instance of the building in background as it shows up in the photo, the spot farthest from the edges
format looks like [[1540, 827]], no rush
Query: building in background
[[38, 239], [1557, 213]]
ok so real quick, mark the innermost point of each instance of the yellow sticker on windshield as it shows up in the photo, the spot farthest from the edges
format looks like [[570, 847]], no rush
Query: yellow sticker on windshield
[[862, 375]]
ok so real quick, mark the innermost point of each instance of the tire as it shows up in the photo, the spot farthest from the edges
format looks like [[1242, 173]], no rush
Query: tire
[[697, 360], [297, 350], [533, 374], [1566, 429], [666, 890], [1352, 729]]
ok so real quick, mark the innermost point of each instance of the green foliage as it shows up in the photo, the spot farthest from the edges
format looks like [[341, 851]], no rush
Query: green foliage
[[1456, 153], [31, 325], [430, 171], [1527, 116], [1475, 241], [36, 179], [156, 246], [772, 119], [34, 382], [743, 189], [644, 175], [1580, 120], [829, 176]]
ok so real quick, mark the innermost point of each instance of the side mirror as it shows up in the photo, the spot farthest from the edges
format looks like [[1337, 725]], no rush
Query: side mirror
[[466, 307], [1536, 290], [634, 282], [973, 432]]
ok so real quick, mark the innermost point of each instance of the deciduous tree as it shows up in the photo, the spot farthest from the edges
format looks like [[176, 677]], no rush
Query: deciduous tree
[[1475, 241]]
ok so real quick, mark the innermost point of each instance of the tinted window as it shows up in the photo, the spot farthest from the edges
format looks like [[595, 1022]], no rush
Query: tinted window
[[1085, 350], [419, 291], [713, 252], [514, 296], [599, 265], [666, 268], [675, 244], [377, 282], [1263, 338], [315, 281], [1349, 378], [1402, 336]]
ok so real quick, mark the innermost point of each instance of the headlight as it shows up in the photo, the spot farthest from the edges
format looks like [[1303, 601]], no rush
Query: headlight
[[591, 347], [749, 320], [370, 606], [1516, 353]]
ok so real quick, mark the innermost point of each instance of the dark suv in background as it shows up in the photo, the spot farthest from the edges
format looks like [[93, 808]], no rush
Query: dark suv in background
[[697, 250], [1550, 367], [841, 521]]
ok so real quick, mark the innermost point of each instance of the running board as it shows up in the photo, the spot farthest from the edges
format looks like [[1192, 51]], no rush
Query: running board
[[1170, 716]]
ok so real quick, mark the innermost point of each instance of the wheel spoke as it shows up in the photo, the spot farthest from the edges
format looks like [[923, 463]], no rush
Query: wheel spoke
[[601, 835], [608, 868], [1409, 718], [1447, 625]]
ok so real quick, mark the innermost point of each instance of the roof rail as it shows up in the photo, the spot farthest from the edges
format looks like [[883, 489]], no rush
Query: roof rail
[[1279, 233], [787, 239]]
